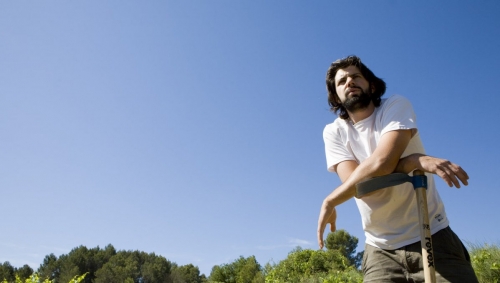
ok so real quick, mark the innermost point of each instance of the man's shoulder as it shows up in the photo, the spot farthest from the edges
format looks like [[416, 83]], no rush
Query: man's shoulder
[[394, 101], [335, 129], [394, 98], [336, 124]]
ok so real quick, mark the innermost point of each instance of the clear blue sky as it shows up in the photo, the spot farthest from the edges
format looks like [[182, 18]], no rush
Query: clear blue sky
[[193, 129]]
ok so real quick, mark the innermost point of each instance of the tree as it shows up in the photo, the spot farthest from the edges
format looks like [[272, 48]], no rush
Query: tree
[[156, 269], [186, 274], [135, 266], [78, 261], [302, 265], [7, 272], [24, 272], [121, 267], [346, 244], [50, 268], [242, 270], [336, 264]]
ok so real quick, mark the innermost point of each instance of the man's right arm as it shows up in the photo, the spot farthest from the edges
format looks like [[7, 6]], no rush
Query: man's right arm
[[383, 161], [450, 172]]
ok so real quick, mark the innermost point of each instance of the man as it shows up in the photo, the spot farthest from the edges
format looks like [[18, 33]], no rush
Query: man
[[375, 137]]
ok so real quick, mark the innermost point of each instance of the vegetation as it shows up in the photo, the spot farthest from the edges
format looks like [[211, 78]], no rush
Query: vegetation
[[103, 265], [336, 264], [486, 262], [339, 263], [242, 270], [34, 278]]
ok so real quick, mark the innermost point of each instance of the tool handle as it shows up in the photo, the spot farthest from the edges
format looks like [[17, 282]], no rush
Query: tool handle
[[425, 231]]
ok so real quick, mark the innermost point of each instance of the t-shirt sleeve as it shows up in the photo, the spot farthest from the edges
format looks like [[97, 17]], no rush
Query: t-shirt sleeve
[[397, 114], [335, 150]]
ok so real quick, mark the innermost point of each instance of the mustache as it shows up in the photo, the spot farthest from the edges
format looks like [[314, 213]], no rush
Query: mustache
[[353, 87]]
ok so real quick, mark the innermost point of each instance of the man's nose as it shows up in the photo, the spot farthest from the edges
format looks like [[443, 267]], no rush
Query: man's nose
[[349, 81]]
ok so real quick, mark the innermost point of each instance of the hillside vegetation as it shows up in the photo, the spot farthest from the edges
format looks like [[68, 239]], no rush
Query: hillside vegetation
[[339, 263]]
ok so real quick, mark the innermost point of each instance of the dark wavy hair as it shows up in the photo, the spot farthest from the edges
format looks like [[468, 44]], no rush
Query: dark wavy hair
[[333, 98]]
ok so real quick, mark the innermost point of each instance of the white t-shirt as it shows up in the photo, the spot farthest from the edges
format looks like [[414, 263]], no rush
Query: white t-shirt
[[389, 216]]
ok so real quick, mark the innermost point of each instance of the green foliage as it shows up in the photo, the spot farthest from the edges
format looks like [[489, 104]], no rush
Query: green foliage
[[11, 274], [106, 265], [7, 272], [486, 262], [313, 266], [34, 278], [337, 264], [350, 275], [24, 272], [346, 244], [78, 261], [50, 268], [242, 270], [186, 274], [134, 266]]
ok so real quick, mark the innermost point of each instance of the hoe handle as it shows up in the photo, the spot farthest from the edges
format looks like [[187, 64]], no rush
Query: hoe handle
[[425, 231]]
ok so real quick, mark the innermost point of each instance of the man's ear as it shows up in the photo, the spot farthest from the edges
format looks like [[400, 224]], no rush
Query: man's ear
[[372, 88]]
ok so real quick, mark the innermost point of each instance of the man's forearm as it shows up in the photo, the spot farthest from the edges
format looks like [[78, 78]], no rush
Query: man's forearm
[[409, 163], [371, 167], [383, 161]]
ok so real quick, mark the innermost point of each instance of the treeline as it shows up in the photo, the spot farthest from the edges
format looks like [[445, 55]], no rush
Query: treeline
[[107, 265], [338, 264]]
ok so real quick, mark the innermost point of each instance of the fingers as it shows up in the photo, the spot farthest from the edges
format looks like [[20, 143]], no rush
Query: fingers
[[328, 215], [321, 228], [332, 219], [451, 173], [320, 238]]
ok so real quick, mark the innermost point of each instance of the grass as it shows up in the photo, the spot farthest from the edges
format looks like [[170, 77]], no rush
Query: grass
[[485, 260]]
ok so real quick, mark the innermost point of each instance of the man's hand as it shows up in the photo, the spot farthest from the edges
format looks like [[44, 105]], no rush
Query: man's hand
[[327, 215], [450, 172]]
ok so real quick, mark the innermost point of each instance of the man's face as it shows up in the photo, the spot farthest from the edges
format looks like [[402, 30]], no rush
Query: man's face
[[352, 88]]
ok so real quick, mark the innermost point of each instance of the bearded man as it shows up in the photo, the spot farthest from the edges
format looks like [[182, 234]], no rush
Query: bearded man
[[375, 137]]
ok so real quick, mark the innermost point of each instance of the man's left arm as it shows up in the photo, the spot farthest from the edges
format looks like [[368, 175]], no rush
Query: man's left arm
[[450, 172]]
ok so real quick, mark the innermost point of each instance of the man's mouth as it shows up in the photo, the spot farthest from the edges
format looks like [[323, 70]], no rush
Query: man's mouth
[[352, 89]]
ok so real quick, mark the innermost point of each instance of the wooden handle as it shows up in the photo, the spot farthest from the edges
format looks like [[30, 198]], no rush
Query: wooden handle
[[425, 233]]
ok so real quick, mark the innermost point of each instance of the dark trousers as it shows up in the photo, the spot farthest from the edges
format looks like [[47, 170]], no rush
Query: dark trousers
[[404, 265]]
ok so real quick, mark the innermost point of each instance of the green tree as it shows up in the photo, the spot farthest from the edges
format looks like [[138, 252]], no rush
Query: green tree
[[155, 269], [24, 272], [301, 265], [346, 244], [335, 265], [186, 274], [121, 267], [135, 266], [78, 261], [7, 272], [50, 268], [242, 270]]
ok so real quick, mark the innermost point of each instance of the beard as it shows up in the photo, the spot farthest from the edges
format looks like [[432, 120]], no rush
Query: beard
[[357, 102]]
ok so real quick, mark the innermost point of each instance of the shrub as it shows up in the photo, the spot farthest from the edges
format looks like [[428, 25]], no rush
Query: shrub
[[486, 262], [313, 266]]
